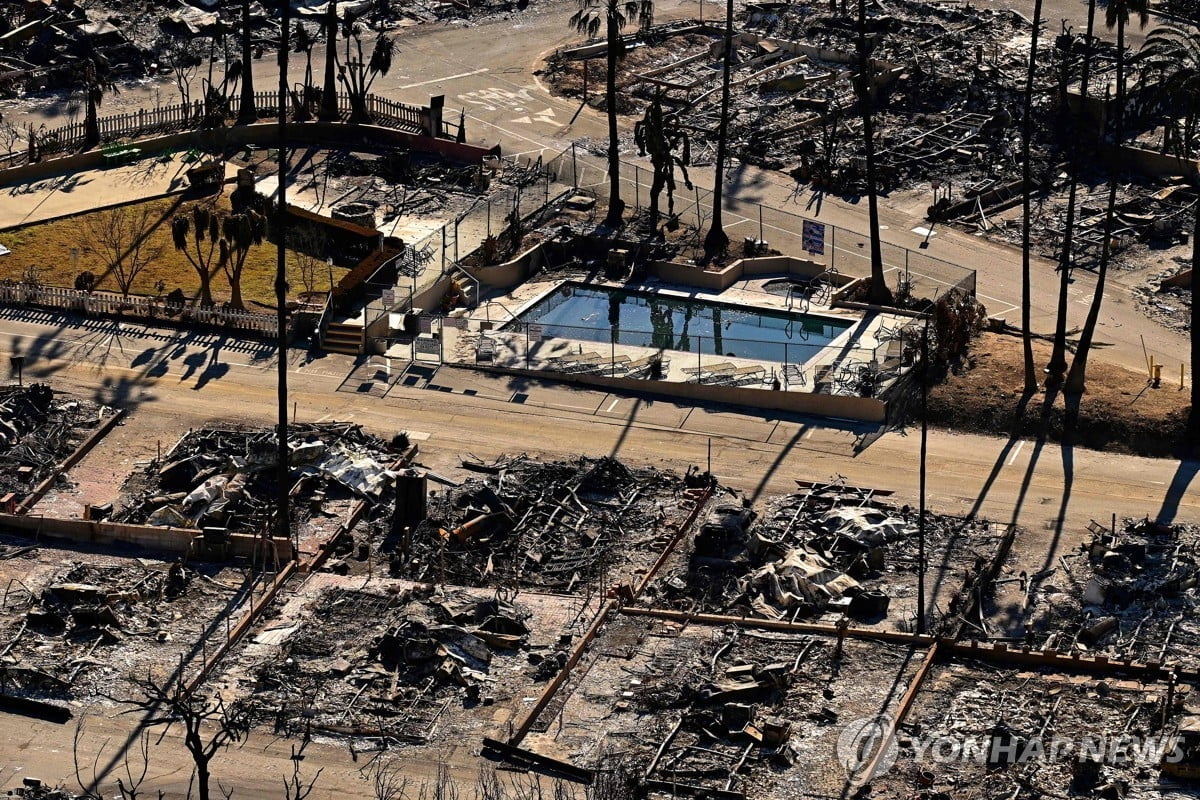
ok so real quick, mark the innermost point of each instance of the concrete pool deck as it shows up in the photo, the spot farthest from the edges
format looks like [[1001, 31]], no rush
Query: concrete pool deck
[[478, 339]]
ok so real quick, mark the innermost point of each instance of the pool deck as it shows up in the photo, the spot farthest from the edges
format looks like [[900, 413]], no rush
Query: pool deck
[[480, 341]]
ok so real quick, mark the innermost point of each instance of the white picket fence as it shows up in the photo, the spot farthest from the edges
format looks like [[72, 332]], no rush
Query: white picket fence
[[23, 294]]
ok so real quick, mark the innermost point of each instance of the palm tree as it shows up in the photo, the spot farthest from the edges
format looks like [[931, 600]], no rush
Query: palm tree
[[329, 103], [613, 15], [239, 233], [1172, 55], [1117, 13], [357, 74], [1031, 381], [1057, 367], [1194, 416], [717, 241], [94, 81], [880, 293], [1172, 60], [248, 112], [659, 135]]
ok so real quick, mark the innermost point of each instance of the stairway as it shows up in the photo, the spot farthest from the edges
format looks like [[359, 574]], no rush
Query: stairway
[[343, 337]]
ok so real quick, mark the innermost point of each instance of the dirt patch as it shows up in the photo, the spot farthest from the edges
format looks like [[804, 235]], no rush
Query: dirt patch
[[1120, 411]]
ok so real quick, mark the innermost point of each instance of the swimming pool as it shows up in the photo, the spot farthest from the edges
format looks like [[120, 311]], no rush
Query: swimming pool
[[667, 322]]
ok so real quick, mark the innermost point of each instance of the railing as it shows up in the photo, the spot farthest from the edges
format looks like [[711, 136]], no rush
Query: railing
[[22, 294], [191, 116]]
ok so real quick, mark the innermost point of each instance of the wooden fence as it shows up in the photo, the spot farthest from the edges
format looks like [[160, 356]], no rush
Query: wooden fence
[[190, 116], [22, 294]]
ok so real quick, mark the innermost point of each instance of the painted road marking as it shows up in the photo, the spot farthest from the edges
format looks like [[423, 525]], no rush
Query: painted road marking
[[1016, 452], [612, 405], [447, 78]]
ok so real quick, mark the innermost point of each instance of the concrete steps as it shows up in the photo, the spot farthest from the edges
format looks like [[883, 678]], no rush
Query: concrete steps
[[341, 337]]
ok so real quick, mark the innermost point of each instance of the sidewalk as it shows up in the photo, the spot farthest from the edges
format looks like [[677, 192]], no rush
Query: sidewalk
[[72, 193]]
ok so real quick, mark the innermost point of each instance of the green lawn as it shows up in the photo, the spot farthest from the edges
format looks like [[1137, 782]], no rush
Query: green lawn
[[48, 246]]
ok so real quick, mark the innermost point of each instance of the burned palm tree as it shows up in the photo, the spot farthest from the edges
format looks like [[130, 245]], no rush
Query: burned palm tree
[[864, 89], [716, 241], [94, 81], [1057, 368], [612, 15], [1116, 14], [357, 73], [1031, 381], [248, 112], [659, 136], [329, 104]]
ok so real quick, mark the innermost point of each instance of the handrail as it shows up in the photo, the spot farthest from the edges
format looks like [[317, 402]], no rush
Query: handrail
[[323, 320], [471, 279]]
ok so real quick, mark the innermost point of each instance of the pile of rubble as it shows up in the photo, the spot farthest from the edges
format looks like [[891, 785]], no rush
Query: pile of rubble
[[38, 429], [829, 549], [1132, 594], [80, 631], [226, 478], [556, 526], [394, 659]]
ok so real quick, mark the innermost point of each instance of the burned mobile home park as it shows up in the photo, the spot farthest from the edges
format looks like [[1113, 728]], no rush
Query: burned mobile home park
[[626, 401]]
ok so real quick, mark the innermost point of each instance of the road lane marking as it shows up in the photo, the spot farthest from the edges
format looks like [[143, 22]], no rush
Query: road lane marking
[[1016, 452], [612, 405], [447, 78]]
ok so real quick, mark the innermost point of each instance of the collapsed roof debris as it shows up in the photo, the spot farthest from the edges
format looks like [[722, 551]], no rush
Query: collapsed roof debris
[[225, 479], [829, 549], [559, 525], [38, 429]]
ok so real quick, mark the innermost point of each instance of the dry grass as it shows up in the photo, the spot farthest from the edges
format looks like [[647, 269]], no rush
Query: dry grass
[[48, 249], [1120, 411]]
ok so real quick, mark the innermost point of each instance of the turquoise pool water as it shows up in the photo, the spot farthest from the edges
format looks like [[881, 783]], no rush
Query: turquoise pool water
[[643, 319]]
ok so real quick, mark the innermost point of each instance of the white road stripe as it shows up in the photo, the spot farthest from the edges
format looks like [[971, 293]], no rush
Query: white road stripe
[[1016, 452], [447, 78]]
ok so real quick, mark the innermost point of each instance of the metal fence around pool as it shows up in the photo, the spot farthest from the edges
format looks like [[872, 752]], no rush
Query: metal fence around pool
[[910, 272]]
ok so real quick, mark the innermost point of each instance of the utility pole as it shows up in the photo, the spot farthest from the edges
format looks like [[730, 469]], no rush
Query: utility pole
[[921, 502], [283, 476]]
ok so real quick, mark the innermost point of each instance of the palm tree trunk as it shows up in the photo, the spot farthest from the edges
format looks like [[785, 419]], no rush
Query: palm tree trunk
[[717, 241], [329, 103], [1057, 367], [248, 113], [880, 293], [1031, 381], [1077, 376], [1194, 417], [616, 206]]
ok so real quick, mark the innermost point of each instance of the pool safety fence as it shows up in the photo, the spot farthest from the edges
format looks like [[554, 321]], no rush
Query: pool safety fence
[[909, 273], [841, 368], [530, 189]]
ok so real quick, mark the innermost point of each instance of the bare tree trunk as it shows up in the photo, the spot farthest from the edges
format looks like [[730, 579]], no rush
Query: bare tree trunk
[[1031, 381], [717, 241], [616, 206]]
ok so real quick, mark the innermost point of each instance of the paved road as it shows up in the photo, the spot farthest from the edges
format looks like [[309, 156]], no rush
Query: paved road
[[183, 379]]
